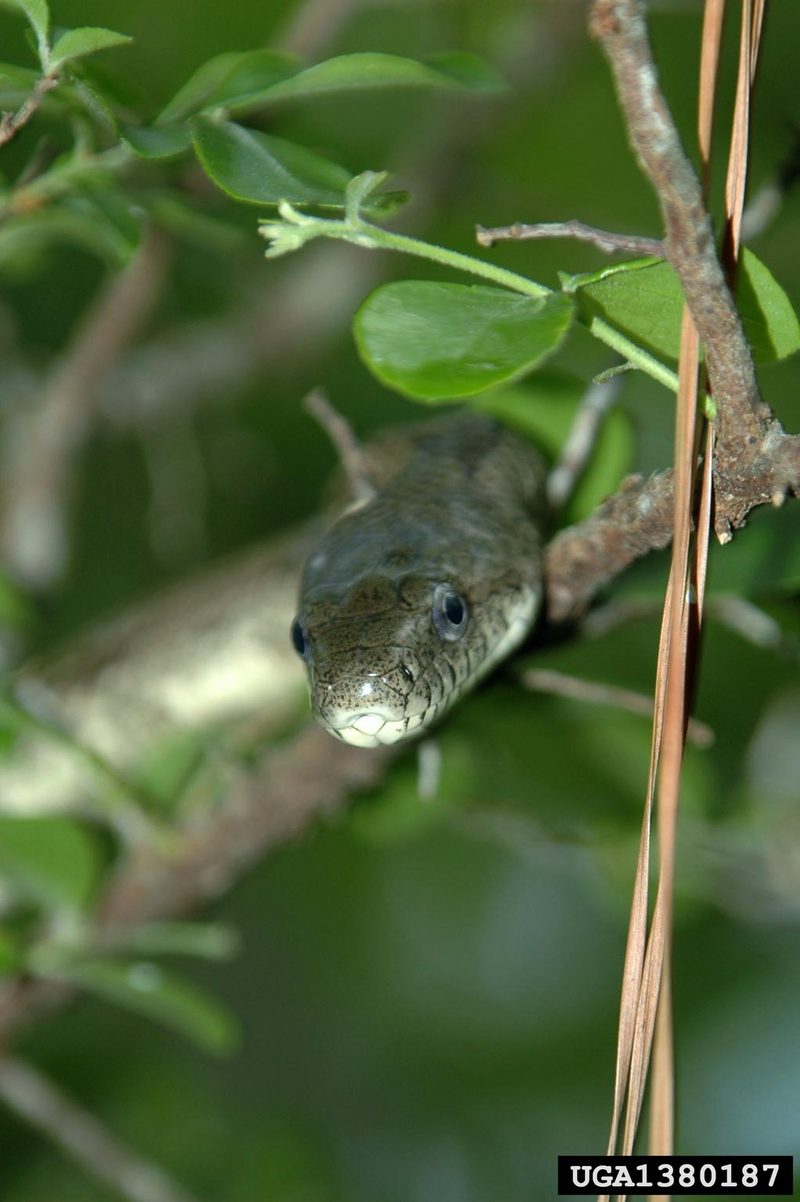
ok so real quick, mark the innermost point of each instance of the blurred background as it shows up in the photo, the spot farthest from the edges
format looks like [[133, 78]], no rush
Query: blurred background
[[427, 991]]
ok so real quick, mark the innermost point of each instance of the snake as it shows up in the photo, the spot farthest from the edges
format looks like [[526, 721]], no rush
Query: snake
[[413, 596]]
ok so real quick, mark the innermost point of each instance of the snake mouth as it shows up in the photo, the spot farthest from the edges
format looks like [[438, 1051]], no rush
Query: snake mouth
[[373, 728]]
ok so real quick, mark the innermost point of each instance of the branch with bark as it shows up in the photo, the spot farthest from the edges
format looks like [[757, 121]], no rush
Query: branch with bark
[[755, 462]]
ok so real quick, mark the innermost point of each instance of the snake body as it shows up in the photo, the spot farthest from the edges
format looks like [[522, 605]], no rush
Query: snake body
[[412, 597]]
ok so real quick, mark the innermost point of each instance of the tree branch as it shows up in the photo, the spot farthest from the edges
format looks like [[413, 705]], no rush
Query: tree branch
[[12, 123], [755, 461], [582, 559], [604, 240], [43, 437]]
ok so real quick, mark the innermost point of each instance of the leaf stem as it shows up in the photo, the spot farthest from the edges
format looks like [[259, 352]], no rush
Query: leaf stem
[[631, 351], [296, 228], [458, 261]]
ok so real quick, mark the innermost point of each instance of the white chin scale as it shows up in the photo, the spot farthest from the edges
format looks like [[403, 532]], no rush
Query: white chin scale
[[372, 728]]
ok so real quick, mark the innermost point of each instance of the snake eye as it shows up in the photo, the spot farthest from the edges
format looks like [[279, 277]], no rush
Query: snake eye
[[298, 636], [450, 615]]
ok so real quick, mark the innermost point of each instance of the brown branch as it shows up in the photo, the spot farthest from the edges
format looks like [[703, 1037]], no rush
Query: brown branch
[[756, 462], [83, 1137], [604, 240], [43, 438], [581, 440], [347, 446], [584, 558], [12, 123]]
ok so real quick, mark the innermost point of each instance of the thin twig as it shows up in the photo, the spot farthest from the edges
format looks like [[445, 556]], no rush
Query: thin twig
[[545, 680], [12, 123], [348, 448], [83, 1137], [43, 439], [604, 240], [581, 440]]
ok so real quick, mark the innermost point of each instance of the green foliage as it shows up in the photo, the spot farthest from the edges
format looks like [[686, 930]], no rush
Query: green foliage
[[54, 862], [263, 169], [230, 81], [643, 299], [38, 14], [157, 141], [18, 79], [438, 341], [247, 83], [77, 43], [248, 165], [146, 988]]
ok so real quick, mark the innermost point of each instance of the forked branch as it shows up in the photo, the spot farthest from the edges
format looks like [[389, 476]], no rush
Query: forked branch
[[756, 461]]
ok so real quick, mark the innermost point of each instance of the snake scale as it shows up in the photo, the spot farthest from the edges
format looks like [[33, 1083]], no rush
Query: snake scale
[[410, 598]]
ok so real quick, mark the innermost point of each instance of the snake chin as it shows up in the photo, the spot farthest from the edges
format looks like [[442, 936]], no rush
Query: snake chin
[[373, 729]]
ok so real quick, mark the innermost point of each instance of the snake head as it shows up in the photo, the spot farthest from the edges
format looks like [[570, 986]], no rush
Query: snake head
[[387, 655], [410, 598]]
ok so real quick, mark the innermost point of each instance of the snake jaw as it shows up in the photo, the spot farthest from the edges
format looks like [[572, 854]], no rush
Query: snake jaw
[[375, 728], [370, 730]]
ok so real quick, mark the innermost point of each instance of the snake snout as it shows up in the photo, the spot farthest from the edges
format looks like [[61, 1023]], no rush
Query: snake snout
[[371, 706]]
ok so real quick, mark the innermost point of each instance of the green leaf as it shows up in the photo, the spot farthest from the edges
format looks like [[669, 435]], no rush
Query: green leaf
[[77, 43], [355, 72], [543, 408], [469, 70], [246, 82], [38, 15], [157, 141], [227, 77], [434, 341], [643, 298], [162, 996], [262, 169], [54, 861], [364, 198], [770, 322]]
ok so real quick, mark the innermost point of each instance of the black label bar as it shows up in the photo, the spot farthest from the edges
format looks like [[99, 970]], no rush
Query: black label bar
[[770, 1176]]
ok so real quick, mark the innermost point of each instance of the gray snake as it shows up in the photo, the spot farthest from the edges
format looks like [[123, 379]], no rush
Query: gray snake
[[409, 599]]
